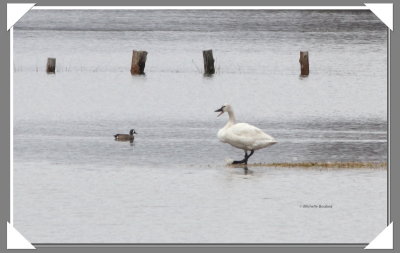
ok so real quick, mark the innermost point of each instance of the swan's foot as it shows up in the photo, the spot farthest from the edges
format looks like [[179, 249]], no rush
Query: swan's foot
[[240, 162], [246, 157]]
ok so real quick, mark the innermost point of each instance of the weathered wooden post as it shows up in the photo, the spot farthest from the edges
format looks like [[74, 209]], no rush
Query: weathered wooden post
[[304, 67], [138, 62], [51, 66], [208, 62]]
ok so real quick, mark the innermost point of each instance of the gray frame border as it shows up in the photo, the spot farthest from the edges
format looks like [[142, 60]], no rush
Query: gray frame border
[[393, 127]]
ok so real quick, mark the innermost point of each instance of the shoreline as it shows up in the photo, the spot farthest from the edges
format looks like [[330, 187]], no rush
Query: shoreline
[[333, 165]]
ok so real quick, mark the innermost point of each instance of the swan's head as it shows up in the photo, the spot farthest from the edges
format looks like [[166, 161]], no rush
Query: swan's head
[[132, 132], [224, 108]]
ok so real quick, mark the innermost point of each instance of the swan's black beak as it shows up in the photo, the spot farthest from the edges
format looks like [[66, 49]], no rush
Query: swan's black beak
[[220, 111]]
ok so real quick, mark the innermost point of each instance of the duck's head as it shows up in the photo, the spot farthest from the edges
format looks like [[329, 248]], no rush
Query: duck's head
[[224, 108], [132, 132]]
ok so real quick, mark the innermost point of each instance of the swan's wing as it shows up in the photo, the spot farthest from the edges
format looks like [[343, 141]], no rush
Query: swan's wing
[[249, 131], [249, 136]]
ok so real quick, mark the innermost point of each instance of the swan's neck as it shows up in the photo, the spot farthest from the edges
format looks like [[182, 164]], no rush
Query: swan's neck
[[232, 119]]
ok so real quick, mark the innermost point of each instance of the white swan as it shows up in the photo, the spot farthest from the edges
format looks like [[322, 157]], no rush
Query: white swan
[[242, 135]]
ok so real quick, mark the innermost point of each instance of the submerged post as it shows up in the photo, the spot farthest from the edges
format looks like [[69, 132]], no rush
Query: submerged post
[[51, 66], [208, 62], [304, 66], [138, 62]]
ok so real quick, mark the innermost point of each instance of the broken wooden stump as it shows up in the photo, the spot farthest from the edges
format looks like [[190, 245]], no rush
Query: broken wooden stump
[[138, 62], [304, 65], [208, 62], [51, 66]]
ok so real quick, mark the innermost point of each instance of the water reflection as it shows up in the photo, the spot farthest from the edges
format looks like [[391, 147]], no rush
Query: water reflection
[[246, 171], [242, 170]]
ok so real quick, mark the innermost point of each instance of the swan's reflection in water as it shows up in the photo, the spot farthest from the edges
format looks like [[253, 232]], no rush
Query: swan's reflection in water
[[242, 170], [246, 171]]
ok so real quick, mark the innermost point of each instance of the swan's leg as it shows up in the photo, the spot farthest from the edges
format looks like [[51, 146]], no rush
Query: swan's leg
[[248, 156], [244, 159]]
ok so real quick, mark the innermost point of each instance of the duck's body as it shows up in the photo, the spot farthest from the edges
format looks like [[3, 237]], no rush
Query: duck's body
[[125, 137], [242, 135]]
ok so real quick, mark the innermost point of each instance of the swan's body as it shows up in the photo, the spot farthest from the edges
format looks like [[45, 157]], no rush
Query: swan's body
[[245, 136], [242, 135]]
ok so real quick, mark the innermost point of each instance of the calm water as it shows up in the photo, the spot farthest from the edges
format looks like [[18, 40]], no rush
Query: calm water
[[172, 185]]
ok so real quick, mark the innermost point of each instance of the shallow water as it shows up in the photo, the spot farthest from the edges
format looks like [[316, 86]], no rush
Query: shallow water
[[171, 185], [198, 204]]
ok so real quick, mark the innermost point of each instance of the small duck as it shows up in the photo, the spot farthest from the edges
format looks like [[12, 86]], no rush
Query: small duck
[[125, 137]]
